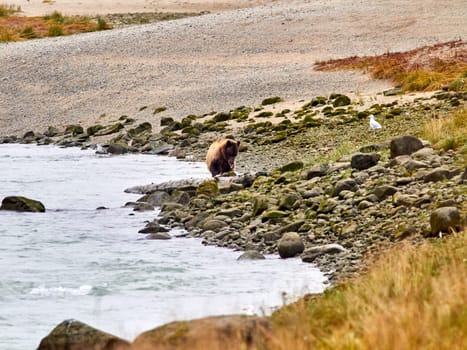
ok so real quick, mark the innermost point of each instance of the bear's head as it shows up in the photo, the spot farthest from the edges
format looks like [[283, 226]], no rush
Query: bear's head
[[231, 151]]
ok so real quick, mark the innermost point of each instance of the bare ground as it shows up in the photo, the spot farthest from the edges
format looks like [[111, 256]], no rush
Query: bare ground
[[214, 62]]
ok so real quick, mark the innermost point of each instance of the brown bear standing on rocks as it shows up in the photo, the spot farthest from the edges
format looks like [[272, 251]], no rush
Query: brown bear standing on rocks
[[221, 156]]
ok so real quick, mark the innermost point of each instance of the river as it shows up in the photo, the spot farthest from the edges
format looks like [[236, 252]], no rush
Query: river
[[74, 261]]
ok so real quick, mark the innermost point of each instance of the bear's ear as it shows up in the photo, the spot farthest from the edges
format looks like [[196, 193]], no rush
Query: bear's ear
[[231, 142]]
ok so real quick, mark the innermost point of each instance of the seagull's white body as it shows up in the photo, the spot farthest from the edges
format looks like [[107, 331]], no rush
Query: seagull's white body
[[373, 123]]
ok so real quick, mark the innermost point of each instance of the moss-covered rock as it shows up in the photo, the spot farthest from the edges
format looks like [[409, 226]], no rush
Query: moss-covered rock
[[111, 129], [271, 100], [23, 204], [293, 166], [74, 130], [92, 130], [208, 188]]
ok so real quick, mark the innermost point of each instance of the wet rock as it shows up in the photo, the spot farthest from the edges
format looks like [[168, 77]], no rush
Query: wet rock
[[180, 197], [217, 332], [346, 184], [405, 145], [22, 204], [169, 207], [142, 206], [312, 253], [72, 334], [155, 199], [290, 245], [159, 236], [445, 220], [362, 161], [251, 255], [153, 227], [117, 148]]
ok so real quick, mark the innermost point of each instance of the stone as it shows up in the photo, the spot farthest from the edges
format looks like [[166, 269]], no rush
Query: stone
[[384, 191], [117, 148], [231, 212], [142, 206], [251, 255], [362, 161], [159, 236], [22, 204], [213, 225], [316, 170], [215, 332], [290, 245], [312, 253], [153, 227], [414, 165], [156, 198], [51, 131], [327, 205], [445, 220], [289, 201], [405, 145], [111, 129], [436, 175], [293, 166], [208, 188], [393, 91], [346, 184], [341, 100], [274, 214], [75, 335], [260, 204]]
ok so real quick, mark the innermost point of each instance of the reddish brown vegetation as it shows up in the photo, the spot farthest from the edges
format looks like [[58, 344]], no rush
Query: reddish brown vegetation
[[424, 68]]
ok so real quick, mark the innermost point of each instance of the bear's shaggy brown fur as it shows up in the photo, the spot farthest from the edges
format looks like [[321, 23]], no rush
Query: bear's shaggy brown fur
[[221, 156]]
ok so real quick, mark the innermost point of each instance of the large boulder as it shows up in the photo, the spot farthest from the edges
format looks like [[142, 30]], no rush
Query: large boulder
[[362, 161], [19, 203], [444, 220], [218, 332], [75, 335], [405, 145], [290, 245]]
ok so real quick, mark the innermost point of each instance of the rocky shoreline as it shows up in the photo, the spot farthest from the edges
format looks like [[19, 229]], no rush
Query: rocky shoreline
[[314, 182]]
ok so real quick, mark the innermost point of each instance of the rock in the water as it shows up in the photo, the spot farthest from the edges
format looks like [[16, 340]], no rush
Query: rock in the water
[[159, 235], [312, 253], [142, 206], [362, 161], [19, 203], [72, 334], [251, 255], [217, 332], [405, 145], [156, 198], [444, 220], [117, 148], [290, 245]]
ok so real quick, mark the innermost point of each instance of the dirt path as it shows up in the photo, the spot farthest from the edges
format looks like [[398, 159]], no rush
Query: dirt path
[[209, 63]]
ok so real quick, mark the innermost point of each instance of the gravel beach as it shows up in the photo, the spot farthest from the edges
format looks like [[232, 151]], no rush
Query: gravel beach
[[213, 62]]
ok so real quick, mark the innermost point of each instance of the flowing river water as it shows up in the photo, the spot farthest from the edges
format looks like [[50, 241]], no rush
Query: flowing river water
[[74, 261]]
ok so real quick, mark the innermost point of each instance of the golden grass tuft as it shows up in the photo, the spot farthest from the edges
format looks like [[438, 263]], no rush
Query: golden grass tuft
[[448, 132], [8, 10], [422, 69], [18, 28], [412, 298]]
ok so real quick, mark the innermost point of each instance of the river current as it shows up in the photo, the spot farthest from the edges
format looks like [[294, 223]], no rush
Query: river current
[[74, 261]]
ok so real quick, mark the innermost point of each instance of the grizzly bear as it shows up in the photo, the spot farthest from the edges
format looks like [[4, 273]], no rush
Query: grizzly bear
[[221, 156]]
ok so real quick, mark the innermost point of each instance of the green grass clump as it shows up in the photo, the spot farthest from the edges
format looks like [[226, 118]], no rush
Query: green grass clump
[[55, 30], [271, 100], [8, 10]]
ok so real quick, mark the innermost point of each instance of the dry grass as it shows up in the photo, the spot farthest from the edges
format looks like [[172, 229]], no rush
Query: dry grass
[[413, 298], [448, 132], [421, 69], [18, 28]]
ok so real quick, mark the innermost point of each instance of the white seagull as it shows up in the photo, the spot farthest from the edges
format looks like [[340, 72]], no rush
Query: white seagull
[[373, 123]]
